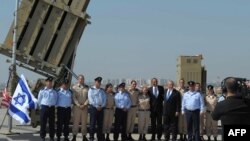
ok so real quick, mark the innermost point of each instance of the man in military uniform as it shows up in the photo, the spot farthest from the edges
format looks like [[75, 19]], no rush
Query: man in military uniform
[[234, 110], [97, 101], [47, 99], [193, 107], [182, 124], [109, 111], [122, 103], [80, 113], [133, 93], [211, 125], [202, 116], [143, 113], [64, 103]]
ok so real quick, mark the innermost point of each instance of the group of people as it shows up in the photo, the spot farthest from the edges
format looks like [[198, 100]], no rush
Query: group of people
[[170, 110]]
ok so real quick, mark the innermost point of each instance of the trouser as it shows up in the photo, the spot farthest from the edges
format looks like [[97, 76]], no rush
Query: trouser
[[182, 124], [202, 124], [80, 116], [96, 117], [193, 124], [211, 125], [120, 123], [47, 113], [156, 123], [63, 118], [131, 119], [108, 120], [143, 121], [170, 126]]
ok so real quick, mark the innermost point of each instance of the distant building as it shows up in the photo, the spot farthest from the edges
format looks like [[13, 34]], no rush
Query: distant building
[[191, 68]]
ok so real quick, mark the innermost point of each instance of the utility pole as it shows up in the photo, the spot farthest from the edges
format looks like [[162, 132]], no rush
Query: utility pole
[[13, 61]]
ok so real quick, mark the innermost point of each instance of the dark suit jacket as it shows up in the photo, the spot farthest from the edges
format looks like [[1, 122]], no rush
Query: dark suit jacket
[[173, 104], [156, 103]]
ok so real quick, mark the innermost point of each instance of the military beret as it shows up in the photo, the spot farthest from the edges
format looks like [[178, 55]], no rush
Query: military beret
[[50, 78], [191, 83], [99, 79], [122, 84], [210, 87], [65, 81]]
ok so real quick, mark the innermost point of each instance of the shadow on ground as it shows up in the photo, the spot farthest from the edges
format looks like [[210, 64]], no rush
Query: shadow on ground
[[23, 136]]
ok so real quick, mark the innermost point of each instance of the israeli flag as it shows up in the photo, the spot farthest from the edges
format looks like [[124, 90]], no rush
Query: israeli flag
[[22, 101]]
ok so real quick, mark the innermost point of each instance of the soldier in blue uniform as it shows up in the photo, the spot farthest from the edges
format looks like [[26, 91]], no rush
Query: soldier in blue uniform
[[97, 101], [47, 99], [193, 107], [64, 103], [122, 103]]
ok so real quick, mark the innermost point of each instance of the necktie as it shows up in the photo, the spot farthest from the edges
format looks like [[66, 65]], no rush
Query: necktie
[[168, 95], [155, 92]]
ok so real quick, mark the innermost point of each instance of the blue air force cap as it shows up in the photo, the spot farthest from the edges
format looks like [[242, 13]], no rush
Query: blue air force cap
[[191, 83], [50, 78], [210, 87], [99, 79]]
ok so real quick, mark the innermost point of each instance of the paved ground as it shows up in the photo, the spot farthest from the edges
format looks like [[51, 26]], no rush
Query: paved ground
[[27, 133]]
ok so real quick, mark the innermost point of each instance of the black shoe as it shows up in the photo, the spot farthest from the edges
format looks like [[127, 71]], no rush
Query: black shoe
[[43, 139], [130, 137], [159, 137], [74, 138], [144, 137], [202, 139], [140, 137], [215, 138], [153, 137], [107, 137], [66, 139], [51, 139], [58, 139], [84, 138], [184, 137]]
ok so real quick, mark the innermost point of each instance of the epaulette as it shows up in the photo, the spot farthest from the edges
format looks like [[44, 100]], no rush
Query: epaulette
[[71, 91], [42, 89]]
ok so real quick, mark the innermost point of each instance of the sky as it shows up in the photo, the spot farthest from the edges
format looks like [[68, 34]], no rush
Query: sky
[[143, 38]]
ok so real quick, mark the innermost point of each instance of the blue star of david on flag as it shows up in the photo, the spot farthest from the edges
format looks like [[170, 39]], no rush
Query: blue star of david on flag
[[20, 99]]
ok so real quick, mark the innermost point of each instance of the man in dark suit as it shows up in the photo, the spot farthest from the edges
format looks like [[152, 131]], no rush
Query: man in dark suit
[[234, 110], [156, 93], [171, 111]]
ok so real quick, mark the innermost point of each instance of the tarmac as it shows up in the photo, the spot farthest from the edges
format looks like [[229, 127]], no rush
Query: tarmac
[[28, 133]]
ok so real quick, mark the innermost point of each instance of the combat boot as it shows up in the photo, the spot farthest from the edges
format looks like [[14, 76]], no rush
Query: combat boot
[[130, 137], [74, 138], [208, 138], [140, 137], [84, 138], [107, 137], [144, 137]]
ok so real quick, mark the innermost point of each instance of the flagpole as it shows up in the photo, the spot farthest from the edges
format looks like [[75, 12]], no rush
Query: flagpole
[[13, 62]]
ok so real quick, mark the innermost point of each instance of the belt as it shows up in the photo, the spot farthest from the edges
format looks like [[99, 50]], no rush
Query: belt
[[109, 108], [209, 111], [143, 109], [63, 107], [49, 106], [133, 106], [193, 110]]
